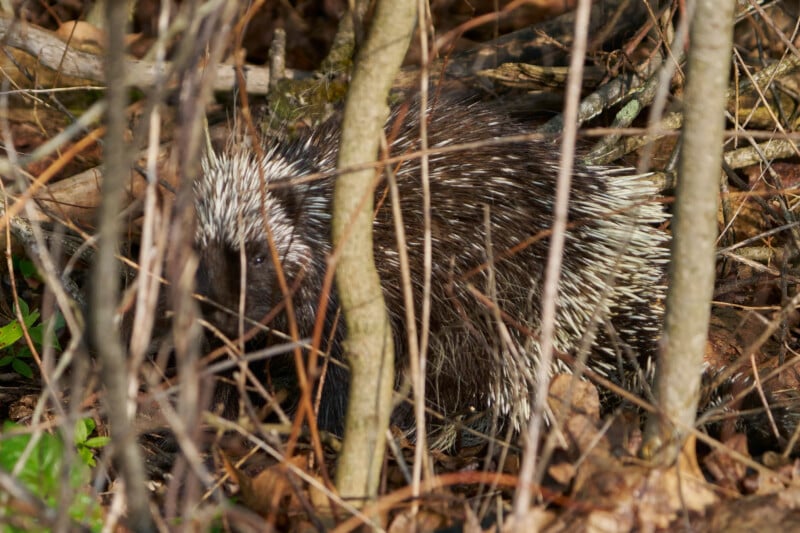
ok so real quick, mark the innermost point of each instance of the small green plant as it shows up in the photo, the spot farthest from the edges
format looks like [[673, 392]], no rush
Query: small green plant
[[26, 267], [17, 354], [85, 444], [41, 474]]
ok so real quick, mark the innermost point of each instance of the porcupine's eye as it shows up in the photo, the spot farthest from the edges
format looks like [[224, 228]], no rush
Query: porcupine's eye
[[257, 256]]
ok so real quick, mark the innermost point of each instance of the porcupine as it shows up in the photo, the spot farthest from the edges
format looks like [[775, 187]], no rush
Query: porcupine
[[478, 358]]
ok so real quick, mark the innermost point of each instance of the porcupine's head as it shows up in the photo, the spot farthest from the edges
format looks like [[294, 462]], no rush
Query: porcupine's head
[[238, 197]]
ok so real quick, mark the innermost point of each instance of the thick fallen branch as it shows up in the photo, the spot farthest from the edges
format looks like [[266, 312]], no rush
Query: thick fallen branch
[[57, 55]]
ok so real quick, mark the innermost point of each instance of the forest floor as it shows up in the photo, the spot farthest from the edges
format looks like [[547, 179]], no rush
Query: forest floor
[[259, 471]]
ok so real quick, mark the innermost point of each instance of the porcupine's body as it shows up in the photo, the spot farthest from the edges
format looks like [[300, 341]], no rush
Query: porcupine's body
[[479, 358]]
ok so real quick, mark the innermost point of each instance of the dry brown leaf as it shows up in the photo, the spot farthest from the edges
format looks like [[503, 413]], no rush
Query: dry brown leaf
[[471, 522], [562, 472], [271, 489], [580, 422], [87, 37], [754, 513], [422, 521], [668, 493], [640, 496], [82, 36], [537, 519], [727, 471], [320, 500], [581, 395], [606, 522]]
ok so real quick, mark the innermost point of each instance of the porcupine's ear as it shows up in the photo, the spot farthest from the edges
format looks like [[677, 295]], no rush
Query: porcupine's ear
[[292, 192], [289, 198]]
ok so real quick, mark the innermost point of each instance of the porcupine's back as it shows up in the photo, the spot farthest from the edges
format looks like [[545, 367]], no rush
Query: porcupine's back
[[486, 202]]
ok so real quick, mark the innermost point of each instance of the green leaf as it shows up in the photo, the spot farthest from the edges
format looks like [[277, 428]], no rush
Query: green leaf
[[28, 317], [27, 268], [60, 322], [9, 334], [41, 473], [83, 428], [31, 318], [97, 442], [22, 368], [86, 456], [37, 334], [23, 307], [12, 332]]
